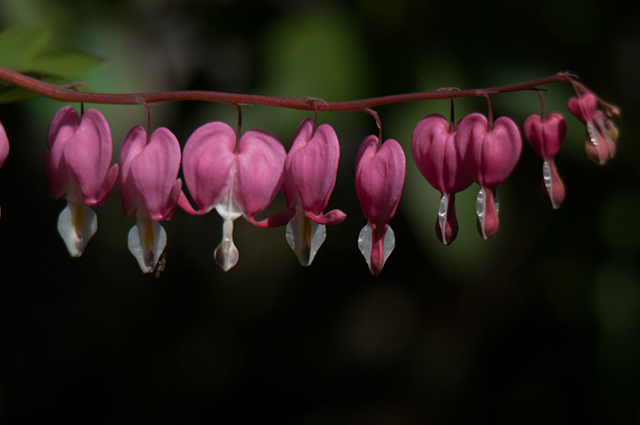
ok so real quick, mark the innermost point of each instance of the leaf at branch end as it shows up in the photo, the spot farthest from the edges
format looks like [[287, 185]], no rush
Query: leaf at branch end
[[19, 46]]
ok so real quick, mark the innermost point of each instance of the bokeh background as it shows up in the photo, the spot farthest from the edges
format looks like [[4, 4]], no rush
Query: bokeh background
[[541, 324]]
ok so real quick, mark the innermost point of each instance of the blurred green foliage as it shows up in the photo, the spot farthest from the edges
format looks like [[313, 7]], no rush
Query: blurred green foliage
[[21, 51]]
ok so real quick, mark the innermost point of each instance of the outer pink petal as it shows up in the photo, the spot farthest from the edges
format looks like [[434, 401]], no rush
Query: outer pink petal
[[379, 179], [88, 156], [207, 162], [155, 171], [434, 151], [133, 144], [469, 134], [63, 126], [300, 139], [583, 107], [501, 148], [332, 217], [545, 137], [313, 167], [489, 156], [259, 174], [4, 145]]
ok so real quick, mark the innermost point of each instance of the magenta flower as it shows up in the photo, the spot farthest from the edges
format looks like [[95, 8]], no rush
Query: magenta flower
[[4, 146], [309, 177], [149, 187], [77, 168], [380, 175], [236, 177], [545, 137], [490, 155], [602, 133], [435, 153]]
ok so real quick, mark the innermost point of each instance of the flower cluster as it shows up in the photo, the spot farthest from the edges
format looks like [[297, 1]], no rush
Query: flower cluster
[[240, 175], [601, 131], [452, 157]]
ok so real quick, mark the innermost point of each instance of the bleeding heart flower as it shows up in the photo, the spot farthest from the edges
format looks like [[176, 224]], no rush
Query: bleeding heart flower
[[435, 153], [490, 155], [4, 146], [309, 177], [236, 177], [545, 136], [149, 187], [380, 173], [602, 133], [77, 167]]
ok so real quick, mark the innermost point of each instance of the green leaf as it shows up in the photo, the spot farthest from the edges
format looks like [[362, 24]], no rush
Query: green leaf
[[20, 50], [18, 47], [66, 65]]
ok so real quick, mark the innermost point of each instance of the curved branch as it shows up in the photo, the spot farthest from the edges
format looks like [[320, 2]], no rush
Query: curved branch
[[65, 94]]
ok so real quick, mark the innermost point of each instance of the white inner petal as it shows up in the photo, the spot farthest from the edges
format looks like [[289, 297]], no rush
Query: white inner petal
[[147, 241], [365, 244], [305, 237], [77, 224]]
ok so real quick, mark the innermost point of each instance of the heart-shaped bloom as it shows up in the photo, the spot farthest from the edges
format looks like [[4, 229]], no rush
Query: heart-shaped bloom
[[602, 133], [310, 173], [4, 146], [435, 153], [236, 177], [149, 187], [380, 173], [77, 166], [489, 155], [545, 137]]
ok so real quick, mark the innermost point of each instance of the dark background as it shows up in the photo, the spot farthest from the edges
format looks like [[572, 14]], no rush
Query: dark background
[[539, 325]]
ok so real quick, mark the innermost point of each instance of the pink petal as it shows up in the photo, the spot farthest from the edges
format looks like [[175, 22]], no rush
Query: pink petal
[[4, 146], [207, 161], [63, 126], [311, 167], [332, 217], [258, 177], [88, 156], [379, 179], [545, 137], [435, 153], [133, 144], [583, 107], [155, 171], [489, 156]]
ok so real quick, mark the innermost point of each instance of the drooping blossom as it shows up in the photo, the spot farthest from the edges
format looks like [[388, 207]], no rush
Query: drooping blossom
[[310, 173], [435, 153], [380, 173], [4, 146], [602, 133], [77, 166], [545, 137], [490, 155], [236, 177], [149, 188]]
